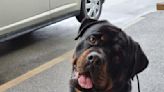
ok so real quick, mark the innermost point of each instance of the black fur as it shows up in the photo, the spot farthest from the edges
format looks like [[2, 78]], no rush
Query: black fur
[[123, 56]]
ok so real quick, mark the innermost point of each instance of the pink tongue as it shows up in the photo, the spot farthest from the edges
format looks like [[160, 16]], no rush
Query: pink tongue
[[85, 82]]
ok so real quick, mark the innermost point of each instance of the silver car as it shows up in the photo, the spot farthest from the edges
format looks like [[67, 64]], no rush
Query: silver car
[[18, 17]]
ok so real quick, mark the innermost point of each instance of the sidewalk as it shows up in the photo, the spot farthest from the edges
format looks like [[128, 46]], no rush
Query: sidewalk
[[149, 32]]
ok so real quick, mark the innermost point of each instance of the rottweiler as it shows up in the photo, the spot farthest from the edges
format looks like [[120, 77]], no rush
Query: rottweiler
[[105, 59]]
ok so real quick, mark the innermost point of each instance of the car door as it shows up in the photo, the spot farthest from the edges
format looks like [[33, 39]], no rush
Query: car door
[[63, 7], [17, 14]]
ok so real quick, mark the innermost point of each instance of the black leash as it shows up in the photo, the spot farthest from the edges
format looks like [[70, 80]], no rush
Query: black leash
[[138, 83]]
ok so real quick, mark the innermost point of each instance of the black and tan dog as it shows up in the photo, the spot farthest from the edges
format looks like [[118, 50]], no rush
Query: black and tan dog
[[105, 59]]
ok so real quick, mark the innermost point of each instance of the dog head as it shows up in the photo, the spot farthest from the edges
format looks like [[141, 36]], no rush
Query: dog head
[[105, 56]]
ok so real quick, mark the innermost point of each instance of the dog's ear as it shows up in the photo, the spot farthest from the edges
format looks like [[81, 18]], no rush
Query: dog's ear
[[140, 60], [84, 24]]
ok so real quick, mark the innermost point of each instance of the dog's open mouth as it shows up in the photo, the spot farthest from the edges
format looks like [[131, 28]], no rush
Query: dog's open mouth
[[84, 80]]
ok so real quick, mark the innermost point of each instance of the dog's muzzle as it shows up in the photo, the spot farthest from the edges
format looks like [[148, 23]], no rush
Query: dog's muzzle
[[93, 57], [85, 65]]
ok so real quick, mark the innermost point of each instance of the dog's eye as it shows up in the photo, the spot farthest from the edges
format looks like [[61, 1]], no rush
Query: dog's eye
[[92, 40], [102, 38]]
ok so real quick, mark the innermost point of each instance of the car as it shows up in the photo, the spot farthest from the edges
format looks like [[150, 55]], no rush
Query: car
[[18, 17]]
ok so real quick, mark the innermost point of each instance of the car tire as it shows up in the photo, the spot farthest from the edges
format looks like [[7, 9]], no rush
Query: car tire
[[90, 9]]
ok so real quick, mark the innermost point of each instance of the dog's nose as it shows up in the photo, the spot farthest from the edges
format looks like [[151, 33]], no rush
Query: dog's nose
[[93, 57]]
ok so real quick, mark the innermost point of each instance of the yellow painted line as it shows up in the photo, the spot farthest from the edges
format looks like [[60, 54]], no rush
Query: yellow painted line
[[35, 71]]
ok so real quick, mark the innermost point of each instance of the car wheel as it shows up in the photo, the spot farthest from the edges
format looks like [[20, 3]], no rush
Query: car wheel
[[90, 9]]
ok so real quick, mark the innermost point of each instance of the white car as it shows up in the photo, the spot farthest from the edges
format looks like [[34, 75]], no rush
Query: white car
[[18, 17]]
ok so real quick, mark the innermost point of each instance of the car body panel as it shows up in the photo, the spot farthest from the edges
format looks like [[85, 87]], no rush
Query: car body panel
[[25, 9], [63, 7], [64, 10], [58, 3], [32, 12]]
